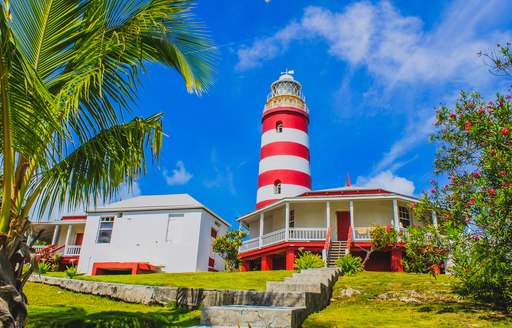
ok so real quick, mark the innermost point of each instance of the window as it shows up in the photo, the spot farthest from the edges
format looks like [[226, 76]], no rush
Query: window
[[171, 225], [279, 127], [292, 219], [105, 230], [277, 187], [404, 216]]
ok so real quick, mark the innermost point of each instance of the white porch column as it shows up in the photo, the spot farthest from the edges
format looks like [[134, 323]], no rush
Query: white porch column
[[287, 222], [395, 214], [351, 207], [55, 238], [327, 214], [262, 216], [68, 238], [434, 219]]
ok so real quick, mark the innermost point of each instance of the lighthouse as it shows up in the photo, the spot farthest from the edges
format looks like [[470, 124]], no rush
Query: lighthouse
[[284, 169]]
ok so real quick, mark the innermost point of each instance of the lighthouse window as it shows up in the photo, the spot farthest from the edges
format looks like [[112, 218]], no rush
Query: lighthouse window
[[279, 127], [277, 187]]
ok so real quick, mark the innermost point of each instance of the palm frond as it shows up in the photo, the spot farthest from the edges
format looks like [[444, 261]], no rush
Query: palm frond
[[96, 169]]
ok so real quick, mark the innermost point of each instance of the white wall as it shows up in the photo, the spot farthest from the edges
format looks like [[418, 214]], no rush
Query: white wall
[[205, 242], [142, 237]]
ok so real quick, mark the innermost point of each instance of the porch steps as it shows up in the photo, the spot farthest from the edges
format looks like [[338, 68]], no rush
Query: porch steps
[[314, 287], [336, 250]]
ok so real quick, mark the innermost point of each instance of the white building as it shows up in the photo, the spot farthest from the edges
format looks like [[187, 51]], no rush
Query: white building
[[168, 233]]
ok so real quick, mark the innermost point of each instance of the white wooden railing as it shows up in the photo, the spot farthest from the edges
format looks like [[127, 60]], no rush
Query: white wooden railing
[[72, 250], [294, 234], [363, 233], [37, 248], [308, 234], [249, 244], [273, 237]]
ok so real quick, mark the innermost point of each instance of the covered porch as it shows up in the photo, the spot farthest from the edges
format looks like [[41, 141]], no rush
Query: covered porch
[[282, 229], [64, 237]]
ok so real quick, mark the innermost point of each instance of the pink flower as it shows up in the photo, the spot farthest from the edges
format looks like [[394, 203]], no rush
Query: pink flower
[[388, 228], [468, 125], [492, 192], [477, 174], [505, 131], [475, 238], [411, 205], [467, 220], [433, 191], [503, 172], [433, 181], [452, 115], [472, 201]]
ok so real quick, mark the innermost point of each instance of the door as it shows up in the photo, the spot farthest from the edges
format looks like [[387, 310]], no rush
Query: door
[[343, 223], [79, 238]]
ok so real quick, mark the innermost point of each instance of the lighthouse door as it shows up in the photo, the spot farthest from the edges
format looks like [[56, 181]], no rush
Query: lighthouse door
[[343, 223]]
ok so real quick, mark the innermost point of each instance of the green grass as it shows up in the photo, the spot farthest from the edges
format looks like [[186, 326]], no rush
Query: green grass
[[379, 304], [255, 280], [52, 307]]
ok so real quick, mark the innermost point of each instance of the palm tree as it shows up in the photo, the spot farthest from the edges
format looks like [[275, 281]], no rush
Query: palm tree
[[69, 72]]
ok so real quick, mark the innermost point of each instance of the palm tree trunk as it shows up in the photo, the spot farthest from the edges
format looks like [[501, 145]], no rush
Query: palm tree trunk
[[14, 252], [13, 303]]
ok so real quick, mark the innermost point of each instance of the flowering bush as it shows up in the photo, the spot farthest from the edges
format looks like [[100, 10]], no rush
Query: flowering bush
[[474, 152]]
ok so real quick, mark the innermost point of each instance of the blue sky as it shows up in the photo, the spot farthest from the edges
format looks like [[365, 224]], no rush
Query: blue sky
[[373, 73]]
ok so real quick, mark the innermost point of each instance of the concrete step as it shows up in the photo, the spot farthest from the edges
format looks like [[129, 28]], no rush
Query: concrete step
[[256, 316], [278, 286]]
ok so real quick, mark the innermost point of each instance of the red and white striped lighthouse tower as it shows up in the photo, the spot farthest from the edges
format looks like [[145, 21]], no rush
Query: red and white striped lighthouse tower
[[284, 155]]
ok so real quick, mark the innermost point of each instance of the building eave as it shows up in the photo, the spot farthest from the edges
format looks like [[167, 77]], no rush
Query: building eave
[[155, 208], [327, 196]]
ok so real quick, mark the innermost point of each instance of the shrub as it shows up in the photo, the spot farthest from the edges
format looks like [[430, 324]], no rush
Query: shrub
[[350, 264], [72, 271], [308, 260], [44, 266]]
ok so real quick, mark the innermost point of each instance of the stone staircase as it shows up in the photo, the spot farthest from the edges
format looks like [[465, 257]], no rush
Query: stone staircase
[[337, 249], [288, 304]]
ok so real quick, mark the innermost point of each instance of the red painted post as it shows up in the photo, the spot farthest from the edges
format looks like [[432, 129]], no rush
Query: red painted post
[[266, 263], [396, 260], [246, 265], [290, 259]]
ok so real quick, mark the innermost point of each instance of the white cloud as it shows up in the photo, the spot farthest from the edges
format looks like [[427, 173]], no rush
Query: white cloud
[[179, 176], [387, 180], [393, 47]]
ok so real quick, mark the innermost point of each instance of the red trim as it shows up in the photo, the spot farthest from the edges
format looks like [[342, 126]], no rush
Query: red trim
[[346, 192], [74, 217], [286, 177], [284, 148], [279, 248], [284, 109], [211, 262], [290, 120], [212, 270], [266, 202], [246, 266], [99, 268]]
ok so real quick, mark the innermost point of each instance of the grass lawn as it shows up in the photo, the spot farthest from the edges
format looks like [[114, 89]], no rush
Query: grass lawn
[[255, 280], [52, 307], [403, 300]]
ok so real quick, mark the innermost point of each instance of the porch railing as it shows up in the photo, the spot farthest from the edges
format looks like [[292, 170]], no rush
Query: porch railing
[[363, 233], [38, 248], [294, 234], [71, 250]]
